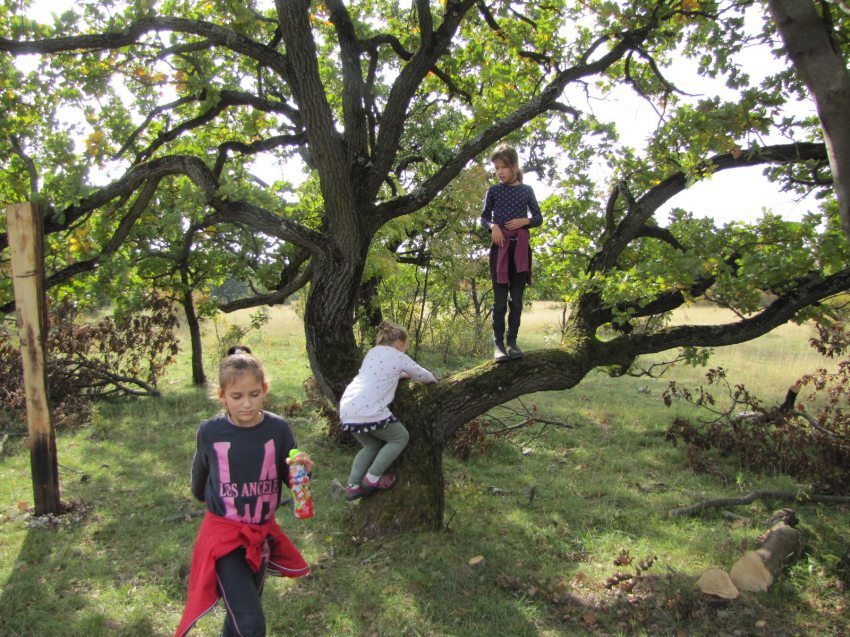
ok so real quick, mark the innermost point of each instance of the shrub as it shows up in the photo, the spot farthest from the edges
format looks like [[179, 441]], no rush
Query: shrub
[[813, 447], [114, 357]]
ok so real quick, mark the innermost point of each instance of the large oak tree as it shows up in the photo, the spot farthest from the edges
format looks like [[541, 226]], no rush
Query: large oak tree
[[385, 103]]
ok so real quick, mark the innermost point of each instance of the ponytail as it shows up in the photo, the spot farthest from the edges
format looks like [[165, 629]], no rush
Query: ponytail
[[389, 333], [239, 360]]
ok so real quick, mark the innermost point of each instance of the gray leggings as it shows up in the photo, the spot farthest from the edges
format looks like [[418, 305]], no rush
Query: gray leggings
[[375, 456]]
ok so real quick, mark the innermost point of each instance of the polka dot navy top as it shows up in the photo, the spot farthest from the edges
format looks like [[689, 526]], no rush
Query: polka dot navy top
[[504, 203]]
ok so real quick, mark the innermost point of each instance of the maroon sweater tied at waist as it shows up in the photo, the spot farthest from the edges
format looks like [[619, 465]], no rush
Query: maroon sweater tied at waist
[[522, 255]]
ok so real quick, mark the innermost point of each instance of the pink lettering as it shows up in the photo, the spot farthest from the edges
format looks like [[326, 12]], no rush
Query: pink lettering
[[269, 472], [221, 451], [266, 490]]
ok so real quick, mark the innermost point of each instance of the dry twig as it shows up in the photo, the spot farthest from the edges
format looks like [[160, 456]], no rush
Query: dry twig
[[786, 496]]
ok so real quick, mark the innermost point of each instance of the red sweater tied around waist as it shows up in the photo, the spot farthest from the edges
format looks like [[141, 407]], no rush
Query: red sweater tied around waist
[[219, 536]]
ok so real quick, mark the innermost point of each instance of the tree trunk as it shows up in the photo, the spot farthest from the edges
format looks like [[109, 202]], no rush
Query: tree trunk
[[819, 63], [199, 378], [371, 314], [417, 501], [329, 322]]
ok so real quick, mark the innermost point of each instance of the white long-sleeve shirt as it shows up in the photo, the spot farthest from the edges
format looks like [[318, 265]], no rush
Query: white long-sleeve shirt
[[367, 396]]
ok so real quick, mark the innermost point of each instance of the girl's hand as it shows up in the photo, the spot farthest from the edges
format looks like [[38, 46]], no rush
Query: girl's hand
[[516, 224], [498, 237], [404, 375], [302, 458]]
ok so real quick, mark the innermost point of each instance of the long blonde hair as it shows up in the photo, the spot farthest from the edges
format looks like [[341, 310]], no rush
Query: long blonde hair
[[389, 333], [508, 154]]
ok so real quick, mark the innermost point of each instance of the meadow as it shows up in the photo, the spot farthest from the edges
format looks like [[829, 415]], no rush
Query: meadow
[[115, 567]]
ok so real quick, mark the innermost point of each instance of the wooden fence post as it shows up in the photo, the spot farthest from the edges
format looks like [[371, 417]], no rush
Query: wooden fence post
[[25, 229]]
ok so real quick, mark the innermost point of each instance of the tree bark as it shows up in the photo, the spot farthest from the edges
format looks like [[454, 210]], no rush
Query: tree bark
[[419, 480], [199, 378], [370, 308], [819, 63], [329, 321]]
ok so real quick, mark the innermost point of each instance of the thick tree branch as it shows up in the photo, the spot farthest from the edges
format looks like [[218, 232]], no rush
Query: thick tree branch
[[385, 38], [643, 209], [326, 145], [353, 87], [254, 148], [266, 222], [227, 99], [484, 10], [664, 302], [131, 35], [465, 396], [563, 108], [405, 87], [662, 234], [278, 296], [501, 128], [226, 211], [426, 21], [623, 350], [157, 111]]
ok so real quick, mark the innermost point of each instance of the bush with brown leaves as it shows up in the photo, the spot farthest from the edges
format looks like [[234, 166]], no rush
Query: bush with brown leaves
[[106, 359], [812, 447]]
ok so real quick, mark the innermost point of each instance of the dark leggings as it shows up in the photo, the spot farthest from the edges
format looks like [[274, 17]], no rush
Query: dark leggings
[[507, 298], [241, 589]]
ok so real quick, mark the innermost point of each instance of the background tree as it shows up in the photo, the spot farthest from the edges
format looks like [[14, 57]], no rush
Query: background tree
[[385, 104]]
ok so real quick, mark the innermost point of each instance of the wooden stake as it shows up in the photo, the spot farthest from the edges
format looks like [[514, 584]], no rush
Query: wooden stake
[[26, 245]]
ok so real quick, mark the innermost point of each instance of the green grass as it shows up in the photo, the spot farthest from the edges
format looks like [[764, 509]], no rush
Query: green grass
[[600, 489]]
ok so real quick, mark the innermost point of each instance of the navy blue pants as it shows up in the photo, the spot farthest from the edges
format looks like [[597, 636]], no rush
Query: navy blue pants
[[507, 296], [241, 589]]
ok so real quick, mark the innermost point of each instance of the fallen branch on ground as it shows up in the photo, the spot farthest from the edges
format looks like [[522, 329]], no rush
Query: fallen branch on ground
[[814, 423], [185, 516], [786, 496], [527, 492]]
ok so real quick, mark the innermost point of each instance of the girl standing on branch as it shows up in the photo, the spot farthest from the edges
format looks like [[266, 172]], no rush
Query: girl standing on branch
[[239, 470], [506, 215], [364, 410]]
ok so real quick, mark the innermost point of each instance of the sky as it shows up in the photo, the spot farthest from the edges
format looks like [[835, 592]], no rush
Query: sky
[[734, 195]]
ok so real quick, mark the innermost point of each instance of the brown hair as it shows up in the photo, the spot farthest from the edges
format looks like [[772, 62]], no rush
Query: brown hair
[[508, 154], [239, 360], [389, 333]]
